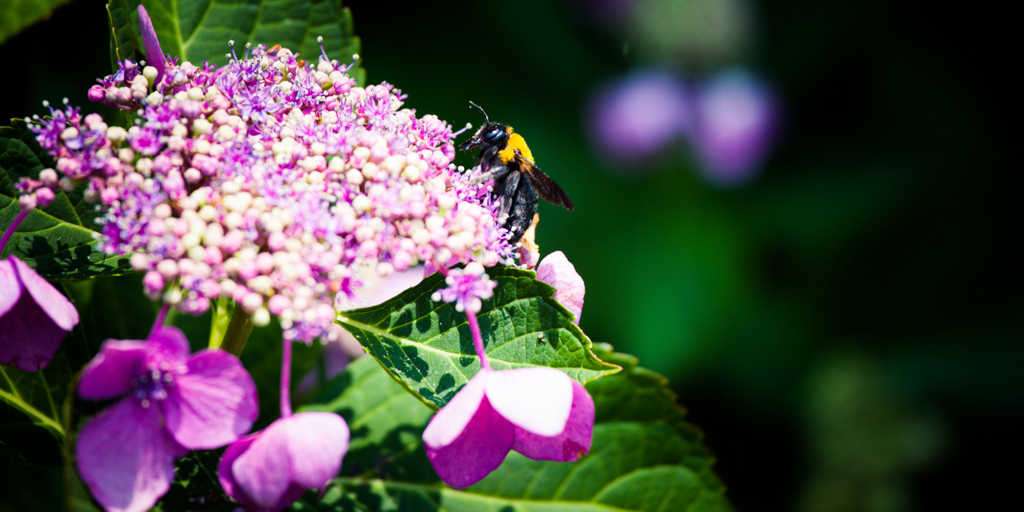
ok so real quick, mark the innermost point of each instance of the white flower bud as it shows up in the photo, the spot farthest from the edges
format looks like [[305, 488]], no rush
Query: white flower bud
[[201, 126], [261, 317], [337, 164], [116, 134], [362, 203]]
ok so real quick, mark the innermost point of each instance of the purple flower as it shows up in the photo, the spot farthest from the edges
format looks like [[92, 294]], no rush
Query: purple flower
[[172, 402], [256, 105], [466, 288], [541, 413], [736, 123], [632, 119], [268, 470], [34, 317], [556, 270]]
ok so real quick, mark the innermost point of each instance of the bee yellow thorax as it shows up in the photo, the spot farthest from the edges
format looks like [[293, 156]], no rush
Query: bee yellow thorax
[[515, 141]]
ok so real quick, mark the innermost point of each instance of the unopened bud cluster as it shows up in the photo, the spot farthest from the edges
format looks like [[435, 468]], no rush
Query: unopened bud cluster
[[271, 181]]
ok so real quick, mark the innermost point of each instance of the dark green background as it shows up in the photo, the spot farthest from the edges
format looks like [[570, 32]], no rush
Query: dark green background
[[847, 329]]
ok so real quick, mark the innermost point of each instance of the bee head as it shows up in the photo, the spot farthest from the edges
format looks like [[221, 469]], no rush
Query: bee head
[[490, 134]]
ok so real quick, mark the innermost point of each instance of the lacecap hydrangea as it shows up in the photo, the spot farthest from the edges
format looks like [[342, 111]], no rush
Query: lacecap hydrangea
[[271, 181]]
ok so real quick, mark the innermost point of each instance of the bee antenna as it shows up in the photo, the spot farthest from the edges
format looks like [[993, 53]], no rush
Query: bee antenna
[[478, 107]]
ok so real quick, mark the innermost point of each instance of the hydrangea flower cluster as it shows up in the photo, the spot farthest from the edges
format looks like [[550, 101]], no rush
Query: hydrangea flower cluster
[[271, 181], [285, 187]]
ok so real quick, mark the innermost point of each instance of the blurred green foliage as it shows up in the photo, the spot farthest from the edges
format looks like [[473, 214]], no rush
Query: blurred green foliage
[[861, 297]]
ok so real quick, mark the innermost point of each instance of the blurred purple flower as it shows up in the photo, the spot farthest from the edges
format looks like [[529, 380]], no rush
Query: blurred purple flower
[[34, 317], [736, 122], [541, 413], [555, 269], [172, 402], [632, 119], [268, 470]]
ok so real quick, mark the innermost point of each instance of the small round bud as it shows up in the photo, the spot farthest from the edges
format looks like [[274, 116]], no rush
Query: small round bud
[[261, 317]]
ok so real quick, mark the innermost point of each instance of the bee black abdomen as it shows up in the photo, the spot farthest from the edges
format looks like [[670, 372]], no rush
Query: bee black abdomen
[[523, 209]]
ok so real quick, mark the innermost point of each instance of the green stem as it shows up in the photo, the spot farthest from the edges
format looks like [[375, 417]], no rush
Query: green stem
[[219, 323], [238, 331]]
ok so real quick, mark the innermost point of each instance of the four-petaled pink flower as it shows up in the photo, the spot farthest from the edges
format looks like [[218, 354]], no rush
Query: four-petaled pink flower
[[556, 270], [34, 317], [541, 413], [173, 402], [466, 288], [268, 470]]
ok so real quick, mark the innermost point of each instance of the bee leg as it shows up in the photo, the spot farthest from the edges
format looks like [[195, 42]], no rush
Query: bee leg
[[522, 212], [505, 188], [494, 173]]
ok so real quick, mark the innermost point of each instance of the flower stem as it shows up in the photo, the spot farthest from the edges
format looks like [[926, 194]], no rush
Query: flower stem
[[160, 317], [238, 332], [10, 229], [286, 379], [478, 340], [219, 322]]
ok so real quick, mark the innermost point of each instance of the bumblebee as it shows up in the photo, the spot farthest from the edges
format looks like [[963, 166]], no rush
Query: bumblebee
[[506, 159]]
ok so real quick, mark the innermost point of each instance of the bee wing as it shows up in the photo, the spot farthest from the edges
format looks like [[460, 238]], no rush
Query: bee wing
[[546, 187]]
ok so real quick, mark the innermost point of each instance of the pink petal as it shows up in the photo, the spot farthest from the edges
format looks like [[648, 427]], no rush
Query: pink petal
[[110, 373], [260, 471], [56, 305], [126, 457], [224, 473], [168, 346], [572, 443], [10, 288], [213, 404], [272, 469], [226, 476], [557, 271], [452, 419], [537, 400], [316, 441], [154, 55], [28, 337], [480, 448]]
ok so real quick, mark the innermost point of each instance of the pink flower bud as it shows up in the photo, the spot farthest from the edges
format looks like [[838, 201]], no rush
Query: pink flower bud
[[265, 262], [27, 202], [213, 256], [239, 294], [276, 241], [153, 281], [96, 94], [251, 302], [109, 195], [44, 197], [278, 303]]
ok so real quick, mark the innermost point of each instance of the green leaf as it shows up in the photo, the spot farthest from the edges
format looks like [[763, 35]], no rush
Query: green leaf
[[58, 241], [195, 486], [125, 42], [17, 15], [385, 422], [199, 30], [644, 456], [427, 345], [31, 419]]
